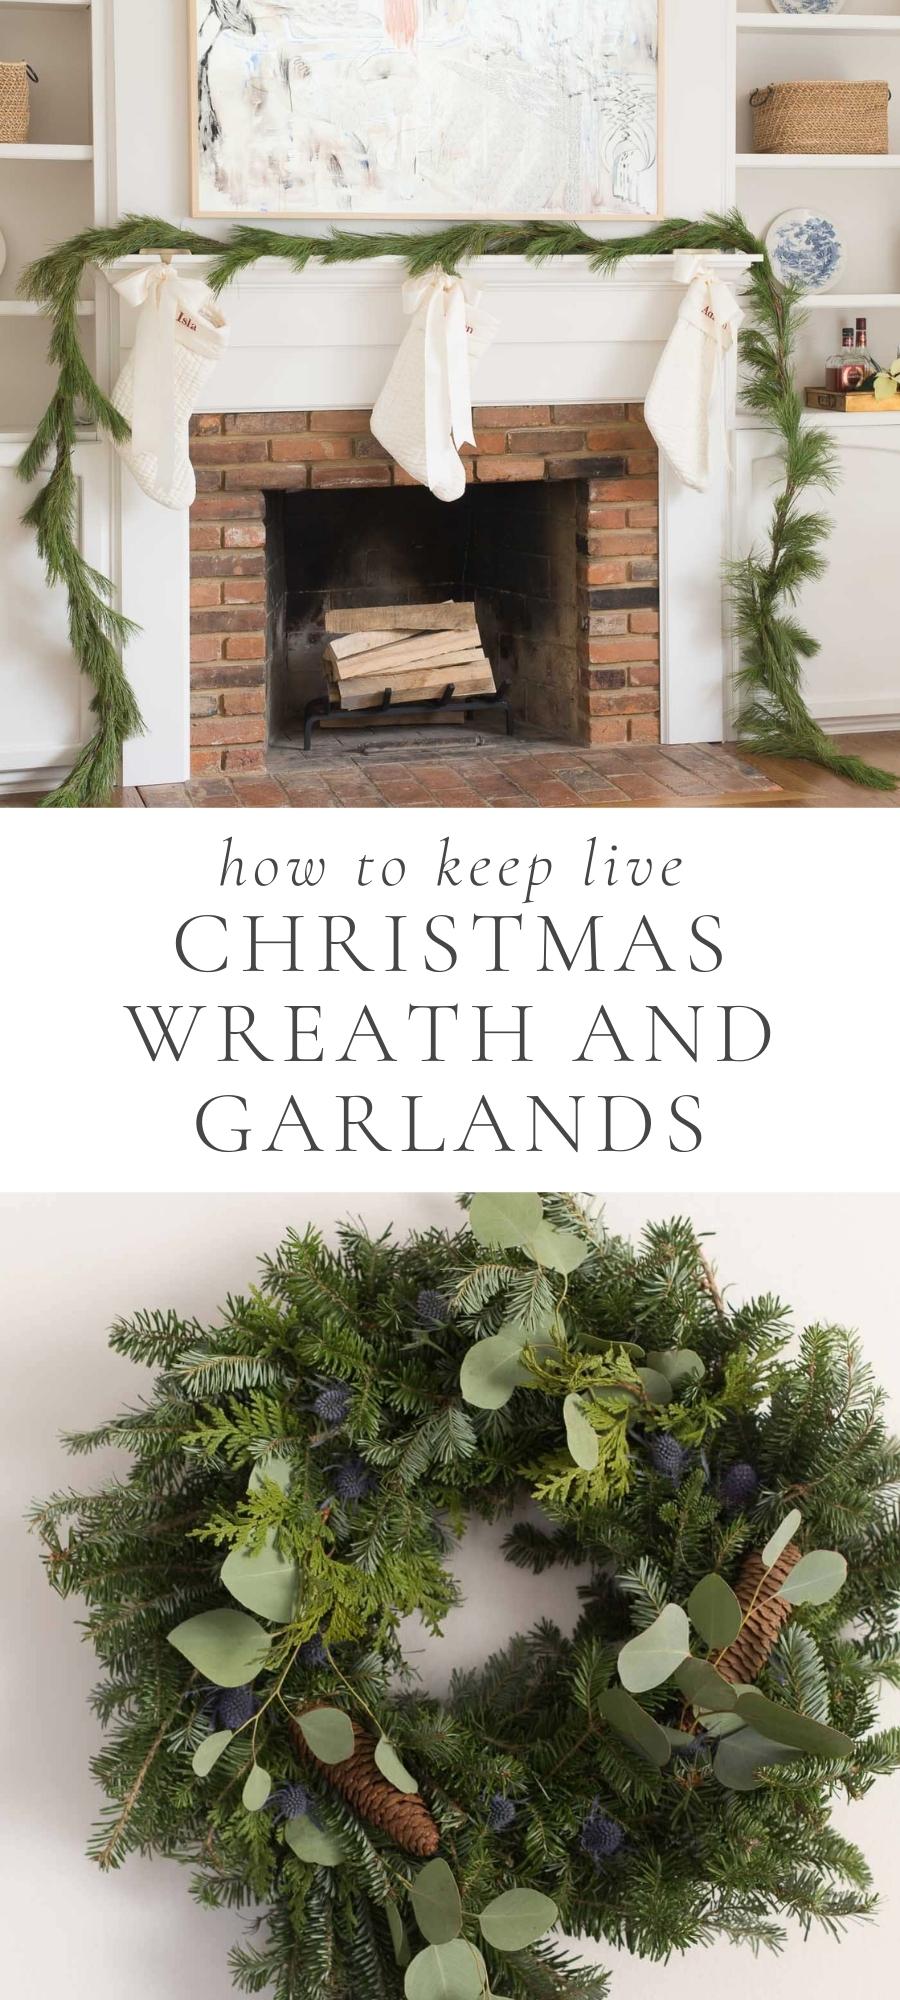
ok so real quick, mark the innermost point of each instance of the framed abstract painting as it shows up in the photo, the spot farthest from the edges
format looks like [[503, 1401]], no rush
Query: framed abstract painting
[[427, 109]]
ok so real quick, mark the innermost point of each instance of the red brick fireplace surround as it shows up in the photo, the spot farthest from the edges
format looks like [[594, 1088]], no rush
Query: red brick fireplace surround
[[604, 448]]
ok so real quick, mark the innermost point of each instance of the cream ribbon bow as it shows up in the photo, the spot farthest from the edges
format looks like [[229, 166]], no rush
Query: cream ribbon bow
[[160, 294], [448, 372]]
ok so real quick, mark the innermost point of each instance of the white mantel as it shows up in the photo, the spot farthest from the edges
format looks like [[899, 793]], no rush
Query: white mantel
[[326, 338]]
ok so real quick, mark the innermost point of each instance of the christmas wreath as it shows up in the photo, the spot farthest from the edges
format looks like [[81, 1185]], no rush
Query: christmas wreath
[[299, 1473]]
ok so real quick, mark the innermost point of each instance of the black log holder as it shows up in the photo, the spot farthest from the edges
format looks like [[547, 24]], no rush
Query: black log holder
[[321, 710]]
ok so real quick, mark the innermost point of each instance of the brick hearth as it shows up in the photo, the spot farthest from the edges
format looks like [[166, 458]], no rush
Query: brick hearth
[[604, 447]]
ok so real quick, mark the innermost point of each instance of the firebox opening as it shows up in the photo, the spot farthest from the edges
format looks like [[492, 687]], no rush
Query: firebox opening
[[510, 547]]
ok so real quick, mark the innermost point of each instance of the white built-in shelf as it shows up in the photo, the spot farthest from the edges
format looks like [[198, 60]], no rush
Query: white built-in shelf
[[858, 162], [19, 4], [27, 309], [38, 152], [845, 301], [819, 24], [830, 420]]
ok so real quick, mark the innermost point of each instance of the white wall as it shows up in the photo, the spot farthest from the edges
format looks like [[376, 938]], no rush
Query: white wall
[[70, 1266]]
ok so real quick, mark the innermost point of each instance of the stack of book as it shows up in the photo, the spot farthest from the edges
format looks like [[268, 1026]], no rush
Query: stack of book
[[416, 650]]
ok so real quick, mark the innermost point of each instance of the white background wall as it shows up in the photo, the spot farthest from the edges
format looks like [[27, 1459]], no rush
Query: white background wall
[[70, 1266]]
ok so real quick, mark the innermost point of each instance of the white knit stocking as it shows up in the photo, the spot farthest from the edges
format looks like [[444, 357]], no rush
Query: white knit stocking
[[180, 336], [681, 399], [424, 412]]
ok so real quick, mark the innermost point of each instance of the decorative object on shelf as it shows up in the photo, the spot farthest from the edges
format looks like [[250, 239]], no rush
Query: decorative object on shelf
[[887, 383], [424, 413], [857, 402], [845, 371], [720, 1689], [821, 118], [775, 649], [808, 6], [686, 391], [806, 249], [416, 108], [15, 102], [180, 336]]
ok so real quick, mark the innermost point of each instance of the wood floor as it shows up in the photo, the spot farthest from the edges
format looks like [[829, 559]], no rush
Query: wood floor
[[527, 773]]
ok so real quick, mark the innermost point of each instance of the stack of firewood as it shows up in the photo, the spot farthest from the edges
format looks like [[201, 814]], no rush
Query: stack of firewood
[[416, 650]]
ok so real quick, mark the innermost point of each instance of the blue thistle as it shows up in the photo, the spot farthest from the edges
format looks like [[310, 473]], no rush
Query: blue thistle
[[290, 1802], [501, 1813], [669, 1457], [313, 1652], [601, 1837], [432, 1308], [333, 1402], [231, 1708], [738, 1487], [353, 1481]]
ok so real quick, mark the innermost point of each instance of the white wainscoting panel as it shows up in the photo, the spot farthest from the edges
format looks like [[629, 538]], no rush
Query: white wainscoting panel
[[854, 682], [44, 701]]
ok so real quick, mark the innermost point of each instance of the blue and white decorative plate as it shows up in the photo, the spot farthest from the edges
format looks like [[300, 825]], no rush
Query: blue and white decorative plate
[[806, 249], [808, 6]]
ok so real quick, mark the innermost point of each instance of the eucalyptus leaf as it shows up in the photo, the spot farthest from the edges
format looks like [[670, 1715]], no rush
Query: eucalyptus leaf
[[815, 1579], [445, 1972], [209, 1752], [275, 1467], [226, 1647], [679, 1365], [311, 1843], [582, 1439], [740, 1757], [798, 1732], [328, 1733], [718, 1723], [257, 1789], [392, 1769], [264, 1580], [505, 1221], [492, 1370], [397, 1929], [715, 1612], [656, 1386], [778, 1542], [556, 1250], [652, 1656], [632, 1722], [703, 1687], [436, 1902], [517, 1919]]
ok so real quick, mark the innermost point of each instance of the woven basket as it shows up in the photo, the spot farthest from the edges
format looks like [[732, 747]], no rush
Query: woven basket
[[15, 102], [821, 118]]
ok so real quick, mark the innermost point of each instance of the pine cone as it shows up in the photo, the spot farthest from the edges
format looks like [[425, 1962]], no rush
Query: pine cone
[[404, 1816], [754, 1643]]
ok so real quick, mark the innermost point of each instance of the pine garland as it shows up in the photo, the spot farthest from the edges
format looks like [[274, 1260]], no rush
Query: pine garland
[[322, 1439], [775, 648]]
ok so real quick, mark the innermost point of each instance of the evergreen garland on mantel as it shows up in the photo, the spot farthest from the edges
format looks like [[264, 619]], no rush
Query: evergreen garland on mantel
[[661, 1778], [774, 646]]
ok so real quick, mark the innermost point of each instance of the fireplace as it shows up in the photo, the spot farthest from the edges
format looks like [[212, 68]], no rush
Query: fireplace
[[556, 539]]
